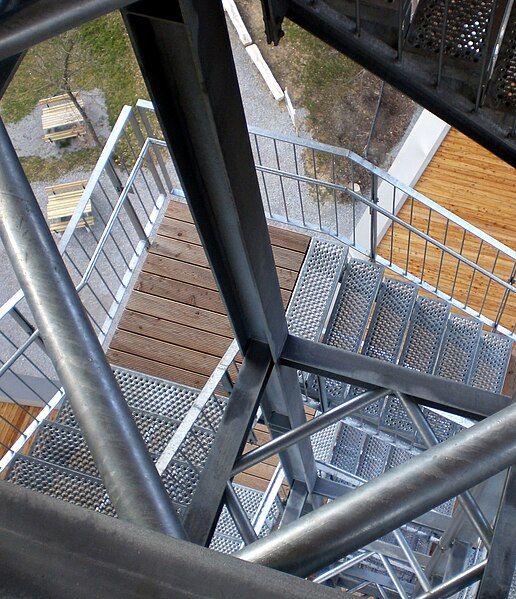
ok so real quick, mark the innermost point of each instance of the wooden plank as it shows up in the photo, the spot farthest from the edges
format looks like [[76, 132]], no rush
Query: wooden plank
[[13, 419], [172, 332], [282, 237], [194, 254], [196, 318], [158, 369], [186, 232], [166, 353]]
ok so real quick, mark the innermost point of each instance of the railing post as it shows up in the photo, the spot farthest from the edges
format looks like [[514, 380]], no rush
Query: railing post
[[110, 432], [374, 217]]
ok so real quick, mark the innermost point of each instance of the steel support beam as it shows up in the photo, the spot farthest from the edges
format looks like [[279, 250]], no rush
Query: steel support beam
[[204, 510], [398, 496], [334, 28], [54, 549], [117, 447], [200, 110], [33, 22], [363, 371], [499, 571]]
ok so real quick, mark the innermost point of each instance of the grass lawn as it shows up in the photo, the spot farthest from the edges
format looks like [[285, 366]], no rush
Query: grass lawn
[[103, 60]]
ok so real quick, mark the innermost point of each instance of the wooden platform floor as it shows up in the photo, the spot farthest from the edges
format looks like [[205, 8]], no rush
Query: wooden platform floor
[[175, 325], [474, 184]]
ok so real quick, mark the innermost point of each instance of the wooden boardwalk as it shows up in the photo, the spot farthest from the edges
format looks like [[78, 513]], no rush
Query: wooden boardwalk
[[474, 184], [175, 325]]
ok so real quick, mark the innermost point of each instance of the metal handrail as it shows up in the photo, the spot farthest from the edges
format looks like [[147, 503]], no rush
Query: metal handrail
[[385, 176]]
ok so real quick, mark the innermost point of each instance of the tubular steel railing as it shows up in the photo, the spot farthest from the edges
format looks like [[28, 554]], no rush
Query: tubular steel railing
[[336, 192], [128, 190]]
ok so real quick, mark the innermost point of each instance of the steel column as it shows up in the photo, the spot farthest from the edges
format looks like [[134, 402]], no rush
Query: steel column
[[54, 549], [398, 496], [118, 449], [499, 571], [200, 110]]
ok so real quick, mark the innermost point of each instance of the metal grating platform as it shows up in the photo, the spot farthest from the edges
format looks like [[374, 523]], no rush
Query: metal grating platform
[[315, 287], [458, 349], [466, 27]]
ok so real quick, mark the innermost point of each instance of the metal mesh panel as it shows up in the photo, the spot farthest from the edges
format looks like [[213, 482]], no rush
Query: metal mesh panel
[[458, 349], [390, 318], [314, 289], [387, 328], [351, 312], [465, 30], [226, 538], [323, 442], [180, 481], [374, 458], [502, 87], [69, 486], [494, 352]]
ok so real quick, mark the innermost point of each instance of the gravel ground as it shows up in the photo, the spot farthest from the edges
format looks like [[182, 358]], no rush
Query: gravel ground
[[27, 135]]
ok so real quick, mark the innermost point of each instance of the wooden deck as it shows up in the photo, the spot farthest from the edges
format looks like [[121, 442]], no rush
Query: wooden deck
[[474, 184], [175, 325]]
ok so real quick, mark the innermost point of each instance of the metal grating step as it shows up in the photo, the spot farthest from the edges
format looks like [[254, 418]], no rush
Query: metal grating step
[[353, 305], [315, 288], [152, 394], [387, 328], [458, 349], [491, 362], [466, 28], [420, 352], [226, 538], [350, 315]]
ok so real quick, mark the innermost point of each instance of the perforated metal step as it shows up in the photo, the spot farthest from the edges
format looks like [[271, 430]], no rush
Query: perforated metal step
[[315, 288], [226, 538], [491, 362], [458, 349], [350, 315], [387, 328]]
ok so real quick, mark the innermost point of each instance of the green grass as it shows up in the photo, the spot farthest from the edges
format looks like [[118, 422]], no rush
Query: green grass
[[321, 69], [105, 61], [49, 169]]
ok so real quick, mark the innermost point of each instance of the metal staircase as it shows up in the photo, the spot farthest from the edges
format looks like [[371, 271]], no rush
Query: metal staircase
[[455, 58]]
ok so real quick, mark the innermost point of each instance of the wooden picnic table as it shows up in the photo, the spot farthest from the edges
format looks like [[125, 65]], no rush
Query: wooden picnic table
[[62, 202], [60, 118]]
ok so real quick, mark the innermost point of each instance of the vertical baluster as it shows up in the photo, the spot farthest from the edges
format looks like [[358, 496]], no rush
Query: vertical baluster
[[474, 272], [442, 255], [281, 179], [458, 264], [392, 222], [317, 190], [263, 176], [426, 245], [505, 298], [409, 234], [374, 218], [335, 194], [489, 282], [299, 186]]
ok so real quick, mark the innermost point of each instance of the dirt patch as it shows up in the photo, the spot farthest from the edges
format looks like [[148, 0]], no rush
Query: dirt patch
[[340, 99]]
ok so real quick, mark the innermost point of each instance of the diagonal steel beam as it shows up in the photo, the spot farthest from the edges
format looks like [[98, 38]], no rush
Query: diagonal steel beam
[[185, 55], [366, 372], [232, 433], [398, 496]]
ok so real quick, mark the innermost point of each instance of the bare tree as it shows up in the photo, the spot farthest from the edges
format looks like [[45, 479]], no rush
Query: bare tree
[[62, 70]]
